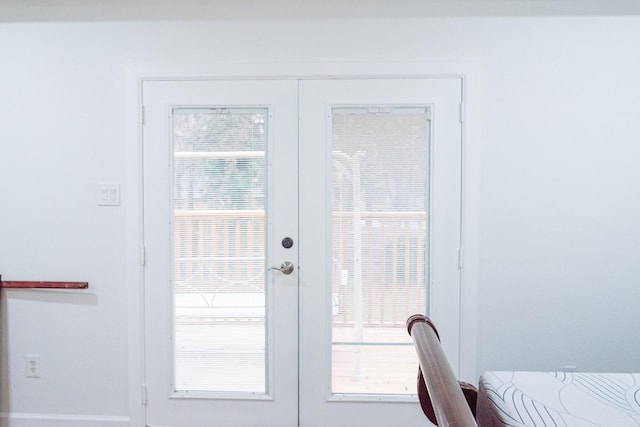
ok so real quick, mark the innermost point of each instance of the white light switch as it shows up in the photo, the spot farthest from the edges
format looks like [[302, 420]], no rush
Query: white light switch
[[108, 194]]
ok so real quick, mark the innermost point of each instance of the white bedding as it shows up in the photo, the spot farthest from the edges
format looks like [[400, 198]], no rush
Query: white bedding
[[558, 399]]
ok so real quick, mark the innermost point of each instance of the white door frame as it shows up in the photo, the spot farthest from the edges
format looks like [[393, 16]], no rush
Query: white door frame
[[132, 194]]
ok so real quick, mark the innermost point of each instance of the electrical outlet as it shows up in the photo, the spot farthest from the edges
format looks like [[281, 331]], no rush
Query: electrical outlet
[[33, 366]]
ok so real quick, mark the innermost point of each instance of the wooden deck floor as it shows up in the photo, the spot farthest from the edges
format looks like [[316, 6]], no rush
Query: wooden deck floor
[[231, 357]]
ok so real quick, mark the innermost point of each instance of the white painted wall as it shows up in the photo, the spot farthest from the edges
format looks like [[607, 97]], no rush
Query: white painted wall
[[553, 200]]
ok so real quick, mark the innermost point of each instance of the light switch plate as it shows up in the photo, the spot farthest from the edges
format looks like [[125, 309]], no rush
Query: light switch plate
[[108, 194]]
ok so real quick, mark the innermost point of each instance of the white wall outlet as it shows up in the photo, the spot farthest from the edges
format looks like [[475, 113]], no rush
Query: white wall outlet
[[108, 194], [33, 366]]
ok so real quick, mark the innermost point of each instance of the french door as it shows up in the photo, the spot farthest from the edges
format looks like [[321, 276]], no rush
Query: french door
[[290, 228]]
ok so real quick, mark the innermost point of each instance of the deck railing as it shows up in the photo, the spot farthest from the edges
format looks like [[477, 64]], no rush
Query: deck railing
[[223, 252]]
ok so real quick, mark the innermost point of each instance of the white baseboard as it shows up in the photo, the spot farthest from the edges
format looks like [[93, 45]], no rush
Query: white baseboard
[[16, 419]]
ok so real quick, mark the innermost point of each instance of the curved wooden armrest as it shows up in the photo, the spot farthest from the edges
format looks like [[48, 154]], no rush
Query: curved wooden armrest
[[442, 397]]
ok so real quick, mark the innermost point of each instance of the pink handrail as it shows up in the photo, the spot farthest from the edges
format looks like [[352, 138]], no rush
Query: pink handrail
[[21, 284], [43, 285]]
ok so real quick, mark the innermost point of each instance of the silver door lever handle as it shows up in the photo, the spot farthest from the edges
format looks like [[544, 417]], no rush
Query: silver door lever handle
[[285, 268]]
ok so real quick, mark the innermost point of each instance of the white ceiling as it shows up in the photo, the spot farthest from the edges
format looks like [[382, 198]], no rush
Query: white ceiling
[[127, 10]]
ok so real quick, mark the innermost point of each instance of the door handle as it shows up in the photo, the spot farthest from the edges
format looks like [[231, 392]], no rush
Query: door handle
[[285, 268]]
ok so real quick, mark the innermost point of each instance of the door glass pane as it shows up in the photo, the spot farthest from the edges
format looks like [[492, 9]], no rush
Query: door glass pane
[[380, 245], [219, 243]]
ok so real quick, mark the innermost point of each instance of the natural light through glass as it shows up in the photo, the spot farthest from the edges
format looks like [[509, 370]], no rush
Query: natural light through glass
[[380, 245], [218, 272]]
